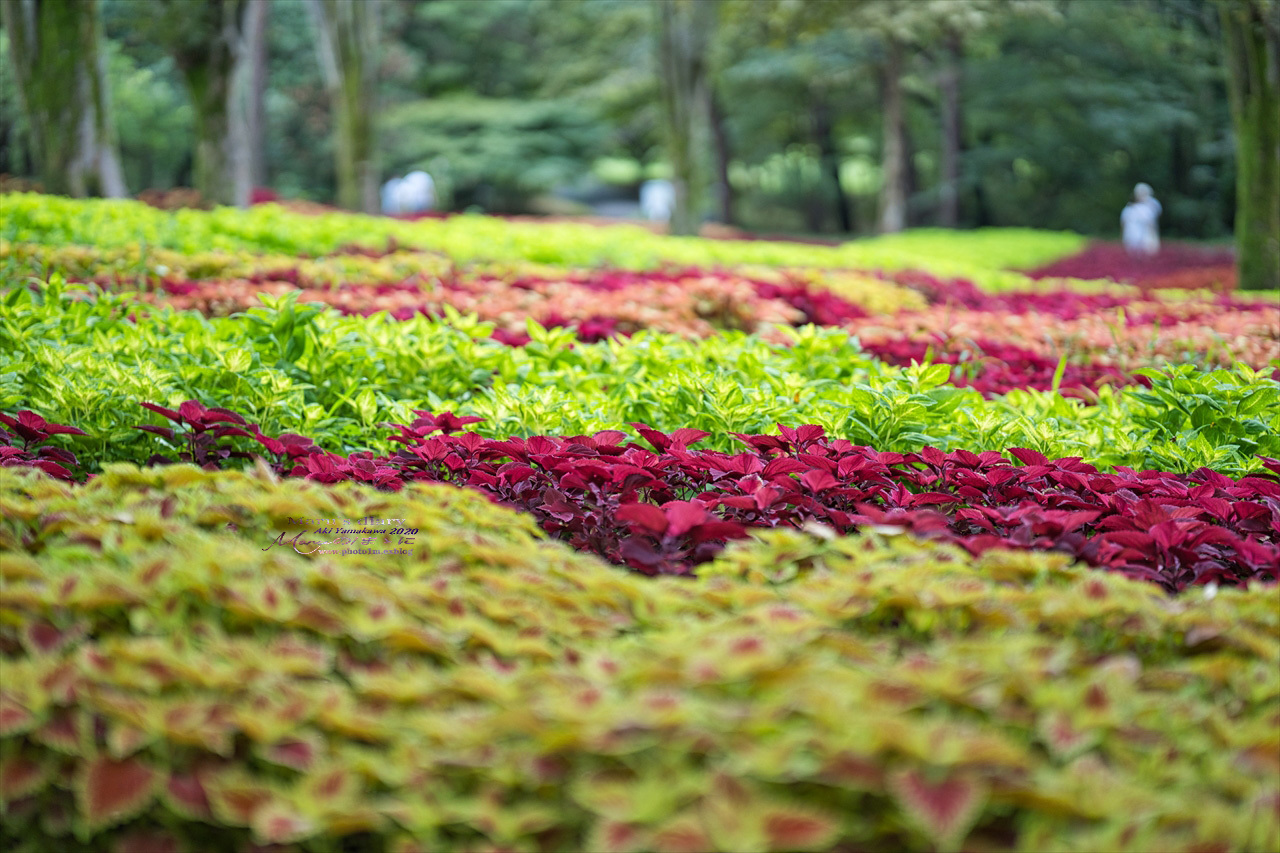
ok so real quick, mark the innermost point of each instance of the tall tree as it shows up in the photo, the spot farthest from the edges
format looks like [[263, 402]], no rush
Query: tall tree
[[348, 52], [684, 32], [60, 69], [893, 192], [952, 136], [1251, 38], [206, 40], [724, 155], [254, 87]]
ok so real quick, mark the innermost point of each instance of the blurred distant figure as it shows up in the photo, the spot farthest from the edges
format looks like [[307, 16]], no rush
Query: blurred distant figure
[[417, 193], [1140, 222], [414, 193], [657, 200], [390, 198]]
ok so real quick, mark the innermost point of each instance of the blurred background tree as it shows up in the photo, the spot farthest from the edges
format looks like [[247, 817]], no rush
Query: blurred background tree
[[785, 116], [1251, 44], [56, 58]]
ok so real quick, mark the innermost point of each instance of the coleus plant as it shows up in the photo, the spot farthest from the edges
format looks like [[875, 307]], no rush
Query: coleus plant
[[668, 508], [192, 691], [202, 431], [25, 445]]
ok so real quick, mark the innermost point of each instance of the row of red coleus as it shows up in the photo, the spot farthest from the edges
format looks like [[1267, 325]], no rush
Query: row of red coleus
[[991, 366], [665, 508]]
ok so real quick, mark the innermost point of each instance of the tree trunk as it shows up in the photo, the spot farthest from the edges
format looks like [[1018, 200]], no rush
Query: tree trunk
[[348, 52], [893, 202], [910, 176], [1252, 47], [206, 41], [824, 137], [720, 141], [952, 140], [60, 70], [684, 29], [254, 97]]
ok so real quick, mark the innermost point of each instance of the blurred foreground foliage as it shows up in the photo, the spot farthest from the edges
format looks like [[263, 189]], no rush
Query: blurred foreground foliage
[[175, 681]]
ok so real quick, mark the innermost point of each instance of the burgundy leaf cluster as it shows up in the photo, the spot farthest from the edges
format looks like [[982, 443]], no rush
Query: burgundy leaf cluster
[[668, 507], [1175, 264], [22, 442], [993, 367], [202, 431]]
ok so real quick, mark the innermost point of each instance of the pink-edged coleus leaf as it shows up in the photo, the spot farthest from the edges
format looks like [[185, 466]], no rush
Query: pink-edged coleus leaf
[[944, 809], [110, 792]]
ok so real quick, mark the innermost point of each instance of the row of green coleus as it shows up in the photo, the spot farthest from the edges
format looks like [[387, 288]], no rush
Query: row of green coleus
[[996, 342], [668, 507], [170, 686]]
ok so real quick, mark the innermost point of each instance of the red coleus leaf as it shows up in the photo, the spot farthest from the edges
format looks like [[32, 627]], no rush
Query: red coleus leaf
[[781, 466], [616, 836], [682, 516], [279, 823], [688, 437], [163, 432], [168, 413], [62, 429], [1028, 457], [193, 412], [945, 810], [931, 499], [52, 468], [22, 776], [806, 433], [271, 444], [639, 553], [109, 792], [818, 481], [645, 516], [29, 426], [220, 415], [14, 717], [31, 421], [660, 441], [143, 841], [185, 793], [1130, 539], [797, 828], [710, 530], [297, 753]]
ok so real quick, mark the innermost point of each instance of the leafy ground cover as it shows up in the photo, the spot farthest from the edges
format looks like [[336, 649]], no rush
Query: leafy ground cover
[[998, 341], [668, 507], [1017, 595], [985, 256], [1176, 265], [295, 368], [171, 684]]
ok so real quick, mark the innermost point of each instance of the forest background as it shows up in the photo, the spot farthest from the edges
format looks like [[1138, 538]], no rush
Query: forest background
[[783, 116]]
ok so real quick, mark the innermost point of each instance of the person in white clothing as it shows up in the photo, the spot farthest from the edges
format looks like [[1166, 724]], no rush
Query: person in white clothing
[[390, 196], [657, 200], [1140, 222], [416, 193]]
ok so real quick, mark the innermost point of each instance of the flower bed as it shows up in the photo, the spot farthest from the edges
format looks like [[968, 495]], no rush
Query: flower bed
[[170, 684], [675, 547]]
